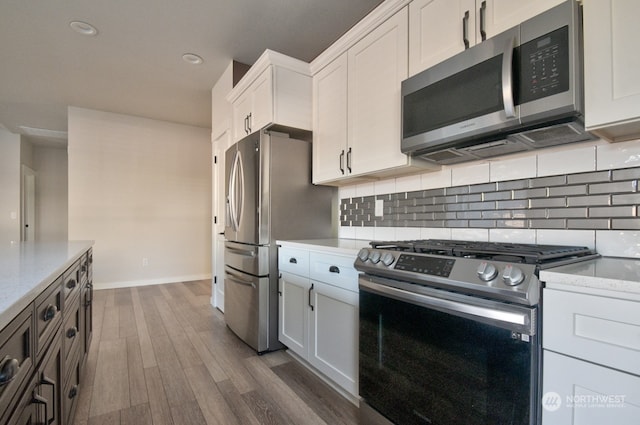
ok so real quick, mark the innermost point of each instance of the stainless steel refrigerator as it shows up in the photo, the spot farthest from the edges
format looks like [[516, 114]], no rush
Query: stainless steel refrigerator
[[269, 197]]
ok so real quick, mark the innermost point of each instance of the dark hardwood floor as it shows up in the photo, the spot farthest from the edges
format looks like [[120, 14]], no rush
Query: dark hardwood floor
[[163, 355]]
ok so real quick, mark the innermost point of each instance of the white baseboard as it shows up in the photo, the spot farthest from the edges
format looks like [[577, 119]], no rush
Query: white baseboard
[[160, 281]]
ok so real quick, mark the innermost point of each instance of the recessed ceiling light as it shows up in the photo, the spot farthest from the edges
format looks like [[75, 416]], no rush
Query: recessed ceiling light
[[83, 28], [192, 58]]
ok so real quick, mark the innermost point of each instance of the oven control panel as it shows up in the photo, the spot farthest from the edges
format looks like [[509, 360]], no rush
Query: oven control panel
[[434, 266]]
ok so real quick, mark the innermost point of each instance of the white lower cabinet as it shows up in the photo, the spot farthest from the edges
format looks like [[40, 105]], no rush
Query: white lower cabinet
[[577, 392], [591, 360], [318, 318], [333, 347]]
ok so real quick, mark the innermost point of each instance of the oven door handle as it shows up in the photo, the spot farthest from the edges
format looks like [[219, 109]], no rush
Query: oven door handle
[[508, 318]]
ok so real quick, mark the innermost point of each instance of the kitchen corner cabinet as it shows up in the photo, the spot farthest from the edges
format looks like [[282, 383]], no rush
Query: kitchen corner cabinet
[[275, 90], [591, 372], [612, 87], [356, 109], [318, 313], [439, 29]]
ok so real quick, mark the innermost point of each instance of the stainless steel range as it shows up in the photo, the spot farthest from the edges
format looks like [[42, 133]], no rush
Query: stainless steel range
[[450, 330]]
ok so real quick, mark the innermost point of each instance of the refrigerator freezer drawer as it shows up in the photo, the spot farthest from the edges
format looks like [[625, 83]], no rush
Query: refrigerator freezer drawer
[[242, 304], [251, 259]]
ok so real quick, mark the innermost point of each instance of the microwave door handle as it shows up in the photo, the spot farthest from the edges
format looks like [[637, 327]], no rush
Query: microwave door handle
[[507, 79]]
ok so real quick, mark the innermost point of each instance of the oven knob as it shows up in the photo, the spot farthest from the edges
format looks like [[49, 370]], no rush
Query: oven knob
[[487, 271], [374, 257], [387, 259], [363, 254], [512, 276]]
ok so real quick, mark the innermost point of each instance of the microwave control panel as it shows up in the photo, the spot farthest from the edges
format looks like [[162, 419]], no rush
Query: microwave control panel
[[544, 66]]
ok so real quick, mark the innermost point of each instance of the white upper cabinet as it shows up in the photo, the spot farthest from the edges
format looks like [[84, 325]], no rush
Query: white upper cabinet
[[330, 121], [439, 29], [275, 90], [611, 63], [377, 64], [356, 114]]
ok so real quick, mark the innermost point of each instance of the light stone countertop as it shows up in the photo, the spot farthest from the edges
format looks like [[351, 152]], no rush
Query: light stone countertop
[[27, 268], [618, 277], [333, 246]]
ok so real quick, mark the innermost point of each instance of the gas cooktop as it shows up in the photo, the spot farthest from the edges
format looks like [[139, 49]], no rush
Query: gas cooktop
[[503, 271]]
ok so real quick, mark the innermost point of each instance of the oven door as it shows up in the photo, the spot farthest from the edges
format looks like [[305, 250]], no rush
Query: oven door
[[441, 358]]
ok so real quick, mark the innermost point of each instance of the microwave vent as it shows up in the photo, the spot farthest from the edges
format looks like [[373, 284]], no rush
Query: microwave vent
[[502, 147], [554, 135]]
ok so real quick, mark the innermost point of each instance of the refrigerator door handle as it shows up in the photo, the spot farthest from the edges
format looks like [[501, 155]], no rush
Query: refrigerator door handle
[[240, 200], [231, 193], [243, 252], [238, 279]]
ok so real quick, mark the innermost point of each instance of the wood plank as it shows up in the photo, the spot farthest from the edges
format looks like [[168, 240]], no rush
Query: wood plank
[[236, 403], [230, 363], [211, 401], [111, 418], [265, 410], [324, 400], [187, 413], [111, 385], [136, 415], [110, 323], [160, 411], [122, 296], [187, 355], [137, 384], [210, 362], [146, 348], [283, 395], [127, 322]]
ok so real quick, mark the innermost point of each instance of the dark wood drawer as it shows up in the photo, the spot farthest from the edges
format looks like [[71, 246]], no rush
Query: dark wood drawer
[[25, 411], [48, 315], [71, 332], [16, 358], [84, 268], [71, 285]]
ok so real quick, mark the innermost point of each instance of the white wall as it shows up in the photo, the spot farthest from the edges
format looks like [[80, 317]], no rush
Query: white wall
[[142, 190], [9, 186], [50, 164]]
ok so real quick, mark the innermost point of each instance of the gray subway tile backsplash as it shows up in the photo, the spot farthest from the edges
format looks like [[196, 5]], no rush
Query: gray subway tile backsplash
[[605, 199]]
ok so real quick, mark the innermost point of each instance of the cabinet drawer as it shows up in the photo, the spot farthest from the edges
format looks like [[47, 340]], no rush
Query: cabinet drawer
[[71, 332], [334, 269], [48, 314], [598, 329], [16, 357], [294, 261], [83, 272], [71, 284]]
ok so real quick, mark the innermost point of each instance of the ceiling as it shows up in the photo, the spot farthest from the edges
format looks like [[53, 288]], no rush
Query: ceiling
[[134, 64]]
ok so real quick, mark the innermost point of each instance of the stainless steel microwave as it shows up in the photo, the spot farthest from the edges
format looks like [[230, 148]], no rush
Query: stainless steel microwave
[[519, 90]]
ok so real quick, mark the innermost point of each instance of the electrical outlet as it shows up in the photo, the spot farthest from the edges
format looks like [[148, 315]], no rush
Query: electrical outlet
[[379, 208], [145, 261]]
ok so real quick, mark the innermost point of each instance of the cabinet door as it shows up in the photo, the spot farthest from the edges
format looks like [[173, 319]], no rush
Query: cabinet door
[[436, 31], [241, 111], [333, 345], [582, 393], [500, 15], [330, 121], [293, 313], [611, 63], [261, 100], [49, 383], [377, 65]]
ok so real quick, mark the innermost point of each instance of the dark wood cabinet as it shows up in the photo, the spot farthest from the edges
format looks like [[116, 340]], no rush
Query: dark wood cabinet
[[42, 351]]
